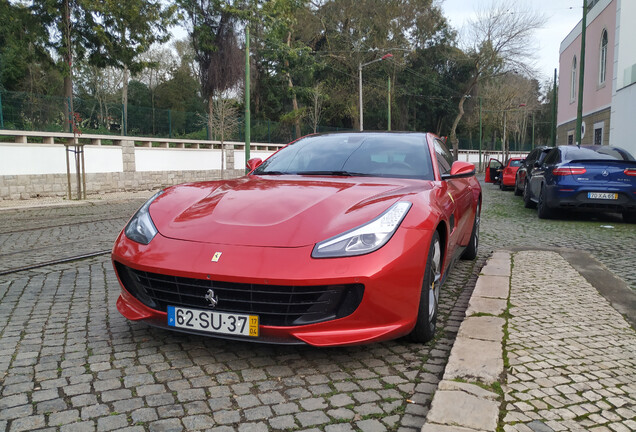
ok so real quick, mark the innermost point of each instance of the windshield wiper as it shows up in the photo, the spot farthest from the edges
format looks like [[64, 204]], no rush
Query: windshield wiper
[[270, 173], [332, 173]]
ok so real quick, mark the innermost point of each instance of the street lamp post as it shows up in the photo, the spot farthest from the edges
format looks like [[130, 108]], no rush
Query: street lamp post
[[360, 66]]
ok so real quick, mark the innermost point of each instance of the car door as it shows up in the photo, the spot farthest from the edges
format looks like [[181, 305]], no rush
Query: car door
[[460, 194], [526, 166], [493, 171], [541, 170]]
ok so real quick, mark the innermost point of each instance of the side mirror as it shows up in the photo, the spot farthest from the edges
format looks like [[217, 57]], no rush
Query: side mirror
[[254, 163], [460, 169]]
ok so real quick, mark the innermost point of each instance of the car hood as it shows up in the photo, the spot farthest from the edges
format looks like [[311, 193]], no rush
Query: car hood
[[275, 211]]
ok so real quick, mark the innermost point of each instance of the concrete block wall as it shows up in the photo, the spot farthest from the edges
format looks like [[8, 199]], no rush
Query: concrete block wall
[[32, 186]]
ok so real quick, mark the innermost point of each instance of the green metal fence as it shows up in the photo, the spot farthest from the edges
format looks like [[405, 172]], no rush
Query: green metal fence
[[466, 143], [32, 112]]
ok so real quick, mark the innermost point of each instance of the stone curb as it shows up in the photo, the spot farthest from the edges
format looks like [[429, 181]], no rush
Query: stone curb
[[462, 402]]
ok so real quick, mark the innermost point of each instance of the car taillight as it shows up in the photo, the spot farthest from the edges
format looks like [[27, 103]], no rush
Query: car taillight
[[630, 172], [573, 170]]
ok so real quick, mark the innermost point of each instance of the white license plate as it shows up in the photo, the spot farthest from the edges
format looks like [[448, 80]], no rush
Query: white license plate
[[602, 195], [213, 322]]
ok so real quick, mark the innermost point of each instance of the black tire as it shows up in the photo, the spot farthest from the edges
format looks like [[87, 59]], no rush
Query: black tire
[[543, 211], [424, 329], [527, 202], [470, 253], [629, 217], [518, 191]]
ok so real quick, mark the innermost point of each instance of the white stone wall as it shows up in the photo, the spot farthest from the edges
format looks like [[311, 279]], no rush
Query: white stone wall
[[34, 169]]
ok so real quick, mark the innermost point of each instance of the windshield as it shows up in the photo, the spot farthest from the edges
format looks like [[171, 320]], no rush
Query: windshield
[[354, 154]]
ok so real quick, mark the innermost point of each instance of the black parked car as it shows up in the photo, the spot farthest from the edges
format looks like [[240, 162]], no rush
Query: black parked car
[[525, 170], [595, 178]]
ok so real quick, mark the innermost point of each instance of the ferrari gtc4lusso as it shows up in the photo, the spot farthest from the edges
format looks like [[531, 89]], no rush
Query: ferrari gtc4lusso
[[336, 239]]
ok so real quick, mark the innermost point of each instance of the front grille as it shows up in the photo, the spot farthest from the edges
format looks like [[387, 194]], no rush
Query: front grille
[[276, 305]]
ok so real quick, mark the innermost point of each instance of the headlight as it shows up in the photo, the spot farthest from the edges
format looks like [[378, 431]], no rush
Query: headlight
[[365, 238], [141, 228]]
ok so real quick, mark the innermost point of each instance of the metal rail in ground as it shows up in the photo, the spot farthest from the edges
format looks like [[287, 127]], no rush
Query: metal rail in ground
[[53, 262]]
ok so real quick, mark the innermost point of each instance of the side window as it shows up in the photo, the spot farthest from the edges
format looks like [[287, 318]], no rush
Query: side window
[[531, 157], [552, 157], [444, 157]]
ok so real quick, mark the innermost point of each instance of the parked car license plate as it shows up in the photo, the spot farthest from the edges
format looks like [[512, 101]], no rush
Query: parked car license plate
[[213, 322], [602, 195]]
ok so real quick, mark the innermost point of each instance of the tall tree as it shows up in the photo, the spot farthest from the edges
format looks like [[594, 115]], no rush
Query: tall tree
[[69, 25], [127, 30], [498, 40], [284, 50], [24, 60], [214, 34], [347, 33]]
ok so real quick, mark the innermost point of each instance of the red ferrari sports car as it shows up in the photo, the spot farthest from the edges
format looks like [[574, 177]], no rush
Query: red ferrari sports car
[[336, 239]]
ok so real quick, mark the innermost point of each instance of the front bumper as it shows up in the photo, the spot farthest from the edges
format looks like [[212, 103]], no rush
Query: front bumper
[[391, 277]]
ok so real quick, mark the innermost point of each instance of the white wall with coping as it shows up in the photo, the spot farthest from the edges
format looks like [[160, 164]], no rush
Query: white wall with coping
[[29, 169], [34, 159], [41, 159], [157, 159]]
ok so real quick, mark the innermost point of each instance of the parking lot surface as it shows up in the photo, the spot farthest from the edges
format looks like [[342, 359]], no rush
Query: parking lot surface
[[70, 361]]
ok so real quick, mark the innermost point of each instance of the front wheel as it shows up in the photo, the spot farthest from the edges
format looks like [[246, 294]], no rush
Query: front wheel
[[429, 299], [518, 190], [527, 202], [470, 253]]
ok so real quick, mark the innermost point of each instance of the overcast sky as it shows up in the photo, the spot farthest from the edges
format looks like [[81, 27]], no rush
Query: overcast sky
[[562, 16]]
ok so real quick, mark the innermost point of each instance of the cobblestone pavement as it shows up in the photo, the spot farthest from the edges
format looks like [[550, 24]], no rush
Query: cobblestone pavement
[[31, 236], [507, 224], [69, 361], [572, 357]]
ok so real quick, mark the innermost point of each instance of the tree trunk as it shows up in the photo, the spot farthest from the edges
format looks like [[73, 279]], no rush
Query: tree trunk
[[460, 114], [124, 102], [68, 59], [453, 133], [210, 130], [291, 88], [315, 111]]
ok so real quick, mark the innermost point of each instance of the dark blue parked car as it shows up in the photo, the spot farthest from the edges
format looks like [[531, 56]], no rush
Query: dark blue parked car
[[596, 178]]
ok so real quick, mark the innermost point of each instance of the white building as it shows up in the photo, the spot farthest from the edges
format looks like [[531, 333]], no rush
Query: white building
[[623, 118]]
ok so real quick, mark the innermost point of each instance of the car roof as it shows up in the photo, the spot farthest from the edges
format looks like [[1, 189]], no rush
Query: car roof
[[567, 150]]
